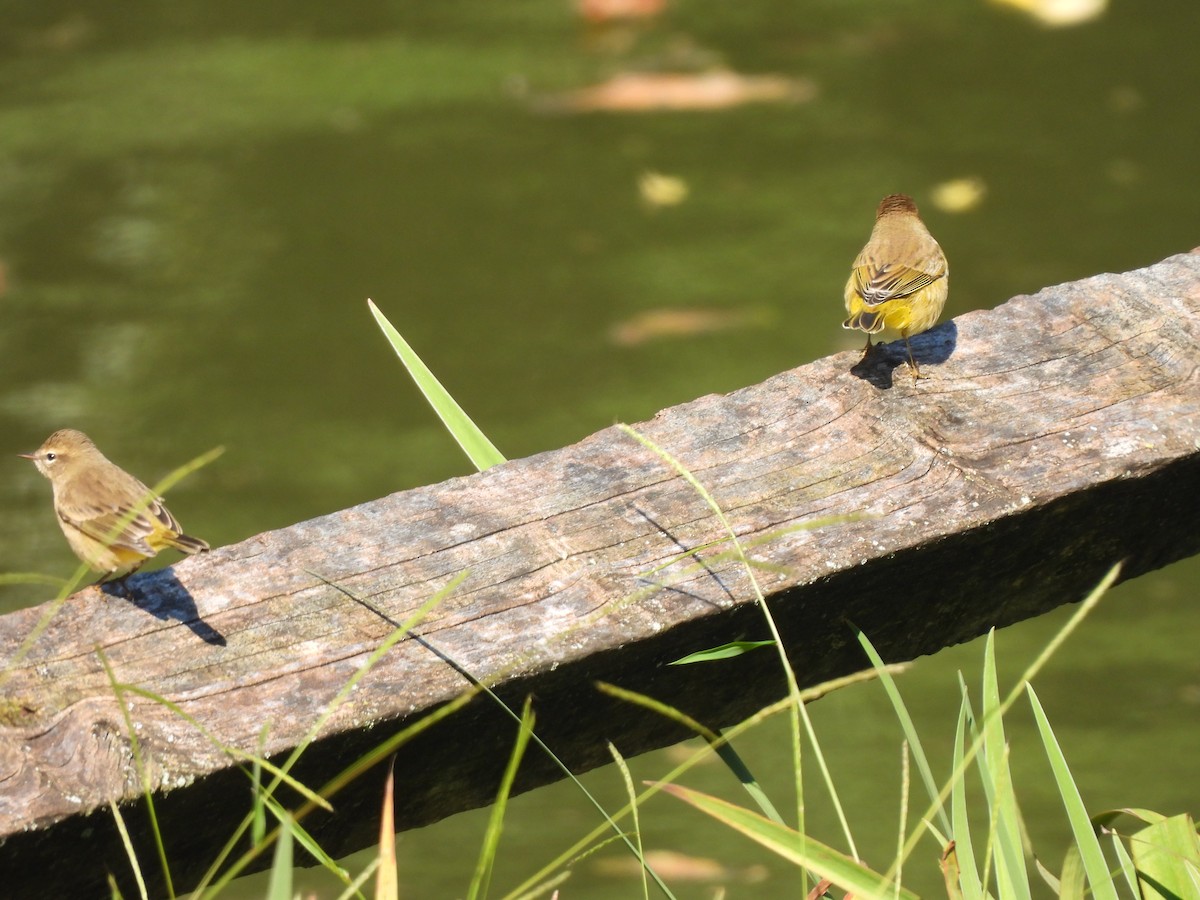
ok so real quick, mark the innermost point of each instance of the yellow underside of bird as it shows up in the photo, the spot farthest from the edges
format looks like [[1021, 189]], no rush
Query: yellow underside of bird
[[908, 314], [106, 553]]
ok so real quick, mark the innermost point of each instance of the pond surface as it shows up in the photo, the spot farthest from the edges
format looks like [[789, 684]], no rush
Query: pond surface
[[196, 199]]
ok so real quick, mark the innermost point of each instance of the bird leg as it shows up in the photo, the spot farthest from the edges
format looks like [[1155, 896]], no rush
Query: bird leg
[[115, 579], [911, 361], [867, 349]]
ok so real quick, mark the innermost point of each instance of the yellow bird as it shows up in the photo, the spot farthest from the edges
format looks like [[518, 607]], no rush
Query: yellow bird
[[900, 278], [112, 521]]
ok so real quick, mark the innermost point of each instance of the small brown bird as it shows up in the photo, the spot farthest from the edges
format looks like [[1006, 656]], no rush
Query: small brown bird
[[112, 521], [900, 278]]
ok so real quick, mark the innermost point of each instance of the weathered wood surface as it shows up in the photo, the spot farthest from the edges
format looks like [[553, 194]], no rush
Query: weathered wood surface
[[1053, 436]]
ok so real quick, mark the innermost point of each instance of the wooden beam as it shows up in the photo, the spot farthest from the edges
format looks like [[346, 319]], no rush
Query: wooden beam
[[1052, 437]]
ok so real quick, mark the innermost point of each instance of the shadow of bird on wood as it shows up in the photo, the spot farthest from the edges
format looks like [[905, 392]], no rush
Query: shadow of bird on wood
[[880, 362], [162, 595]]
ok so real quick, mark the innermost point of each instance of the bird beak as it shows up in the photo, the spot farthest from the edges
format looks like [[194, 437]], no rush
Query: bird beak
[[27, 455]]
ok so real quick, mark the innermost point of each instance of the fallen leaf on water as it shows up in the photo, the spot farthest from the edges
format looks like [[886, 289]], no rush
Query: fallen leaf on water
[[959, 195], [1059, 13], [673, 866], [659, 190], [597, 11], [719, 89], [654, 324]]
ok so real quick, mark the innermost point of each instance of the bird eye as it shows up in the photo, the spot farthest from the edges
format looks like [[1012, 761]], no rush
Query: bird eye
[[51, 457]]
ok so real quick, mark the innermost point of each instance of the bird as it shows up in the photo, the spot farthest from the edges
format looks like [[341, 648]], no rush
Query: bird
[[899, 280], [112, 521]]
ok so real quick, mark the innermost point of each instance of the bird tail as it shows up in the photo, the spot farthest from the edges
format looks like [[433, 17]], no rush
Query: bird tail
[[188, 544], [870, 322]]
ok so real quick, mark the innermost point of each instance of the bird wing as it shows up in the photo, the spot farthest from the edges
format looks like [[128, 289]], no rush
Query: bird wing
[[119, 526], [878, 284]]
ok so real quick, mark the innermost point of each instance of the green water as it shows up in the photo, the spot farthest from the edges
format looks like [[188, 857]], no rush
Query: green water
[[197, 199]]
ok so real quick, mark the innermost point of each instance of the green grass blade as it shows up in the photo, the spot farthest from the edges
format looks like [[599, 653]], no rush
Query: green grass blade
[[1012, 874], [547, 888], [631, 793], [553, 757], [127, 843], [1125, 861], [142, 771], [482, 453], [258, 828], [902, 817], [299, 835], [1145, 816], [791, 845], [279, 887], [354, 888], [906, 723], [1086, 841], [1071, 884], [969, 884], [719, 743], [974, 754], [1167, 857], [536, 884], [725, 651], [491, 839]]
